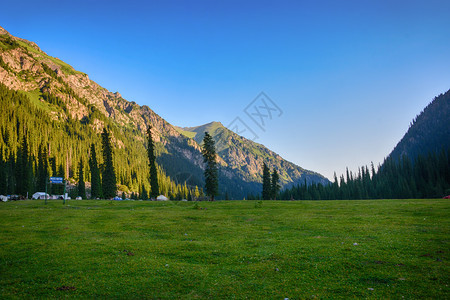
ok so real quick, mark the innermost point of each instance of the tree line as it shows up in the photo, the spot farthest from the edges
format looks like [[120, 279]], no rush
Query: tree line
[[426, 176], [270, 185]]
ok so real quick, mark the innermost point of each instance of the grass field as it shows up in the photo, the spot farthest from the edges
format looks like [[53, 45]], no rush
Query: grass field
[[226, 249]]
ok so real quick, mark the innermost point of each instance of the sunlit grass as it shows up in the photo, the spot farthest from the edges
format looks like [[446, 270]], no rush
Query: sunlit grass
[[234, 249]]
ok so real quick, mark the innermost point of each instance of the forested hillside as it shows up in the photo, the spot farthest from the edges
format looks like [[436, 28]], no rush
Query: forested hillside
[[427, 177], [429, 131], [32, 141], [418, 167], [59, 112]]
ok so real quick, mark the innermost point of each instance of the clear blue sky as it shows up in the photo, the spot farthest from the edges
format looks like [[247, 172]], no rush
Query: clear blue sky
[[349, 76]]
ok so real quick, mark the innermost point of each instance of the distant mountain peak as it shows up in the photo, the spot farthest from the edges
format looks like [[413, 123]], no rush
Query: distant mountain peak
[[213, 124], [240, 153]]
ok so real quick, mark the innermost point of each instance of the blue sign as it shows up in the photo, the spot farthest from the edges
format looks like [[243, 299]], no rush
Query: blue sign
[[56, 180]]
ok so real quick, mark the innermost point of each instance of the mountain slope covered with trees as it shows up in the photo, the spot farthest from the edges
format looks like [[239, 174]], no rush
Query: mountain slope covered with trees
[[51, 106], [418, 167], [428, 132]]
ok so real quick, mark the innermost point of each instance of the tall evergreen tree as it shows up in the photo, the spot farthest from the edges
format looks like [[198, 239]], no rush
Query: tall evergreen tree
[[11, 179], [3, 174], [154, 186], [144, 194], [81, 185], [211, 169], [267, 183], [275, 186], [109, 187], [42, 172], [96, 185], [24, 168]]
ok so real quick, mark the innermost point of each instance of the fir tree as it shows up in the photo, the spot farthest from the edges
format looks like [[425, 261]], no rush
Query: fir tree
[[109, 187], [42, 172], [211, 169], [144, 194], [81, 185], [96, 186], [267, 184], [24, 170], [275, 186], [154, 186], [3, 174]]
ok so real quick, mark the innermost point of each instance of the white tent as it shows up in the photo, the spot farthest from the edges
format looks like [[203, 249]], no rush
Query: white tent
[[40, 195], [3, 198], [162, 198]]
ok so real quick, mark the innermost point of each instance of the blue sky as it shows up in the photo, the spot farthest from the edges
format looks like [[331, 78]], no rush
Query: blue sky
[[349, 76]]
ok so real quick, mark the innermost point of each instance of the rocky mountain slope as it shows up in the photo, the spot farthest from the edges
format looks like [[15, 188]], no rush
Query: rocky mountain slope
[[245, 157], [67, 96]]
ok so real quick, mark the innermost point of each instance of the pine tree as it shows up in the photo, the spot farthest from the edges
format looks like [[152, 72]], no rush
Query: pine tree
[[81, 185], [96, 186], [154, 186], [24, 170], [3, 174], [42, 172], [211, 169], [144, 194], [275, 186], [109, 187], [10, 178], [267, 185]]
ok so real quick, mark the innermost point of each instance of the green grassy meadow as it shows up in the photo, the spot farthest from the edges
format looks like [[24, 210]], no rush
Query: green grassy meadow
[[225, 249]]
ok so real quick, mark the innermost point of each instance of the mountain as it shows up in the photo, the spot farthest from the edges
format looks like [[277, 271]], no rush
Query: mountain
[[428, 132], [418, 167], [62, 110], [244, 157]]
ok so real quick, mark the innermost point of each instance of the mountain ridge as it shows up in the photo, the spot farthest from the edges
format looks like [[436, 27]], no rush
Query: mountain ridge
[[66, 94], [428, 132]]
